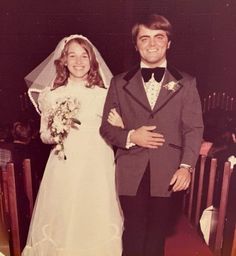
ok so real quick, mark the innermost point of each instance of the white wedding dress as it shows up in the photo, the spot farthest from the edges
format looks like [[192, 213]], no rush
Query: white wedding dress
[[77, 211]]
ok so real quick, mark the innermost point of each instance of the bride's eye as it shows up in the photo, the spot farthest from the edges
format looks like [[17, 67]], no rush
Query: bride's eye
[[85, 56]]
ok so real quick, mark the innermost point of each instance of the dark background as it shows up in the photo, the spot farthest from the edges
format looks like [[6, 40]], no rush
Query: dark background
[[204, 43]]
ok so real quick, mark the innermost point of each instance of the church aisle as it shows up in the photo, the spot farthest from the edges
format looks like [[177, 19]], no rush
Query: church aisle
[[186, 241]]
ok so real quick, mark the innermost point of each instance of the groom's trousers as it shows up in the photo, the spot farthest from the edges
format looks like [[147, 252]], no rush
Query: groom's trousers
[[145, 221]]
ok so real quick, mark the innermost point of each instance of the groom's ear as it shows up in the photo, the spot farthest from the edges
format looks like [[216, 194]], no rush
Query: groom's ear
[[234, 137], [168, 46]]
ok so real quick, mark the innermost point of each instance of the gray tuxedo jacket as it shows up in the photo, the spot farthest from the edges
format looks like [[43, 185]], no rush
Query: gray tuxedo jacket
[[177, 115]]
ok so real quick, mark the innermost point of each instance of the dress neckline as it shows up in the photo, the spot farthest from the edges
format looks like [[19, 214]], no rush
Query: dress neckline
[[72, 83]]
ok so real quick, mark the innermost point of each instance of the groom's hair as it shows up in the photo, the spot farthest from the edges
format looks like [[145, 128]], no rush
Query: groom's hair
[[153, 21]]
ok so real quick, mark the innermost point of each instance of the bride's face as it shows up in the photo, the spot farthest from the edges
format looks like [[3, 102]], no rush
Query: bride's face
[[78, 62]]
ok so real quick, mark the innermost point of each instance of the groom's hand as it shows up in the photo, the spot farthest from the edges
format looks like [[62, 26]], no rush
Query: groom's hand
[[180, 180], [145, 137]]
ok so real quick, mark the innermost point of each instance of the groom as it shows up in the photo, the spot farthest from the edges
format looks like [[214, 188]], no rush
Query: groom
[[159, 145]]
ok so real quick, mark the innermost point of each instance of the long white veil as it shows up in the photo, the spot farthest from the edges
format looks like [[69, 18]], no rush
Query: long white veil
[[44, 74]]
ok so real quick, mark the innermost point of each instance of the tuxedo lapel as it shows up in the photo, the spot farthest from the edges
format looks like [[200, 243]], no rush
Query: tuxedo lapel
[[171, 85], [134, 87]]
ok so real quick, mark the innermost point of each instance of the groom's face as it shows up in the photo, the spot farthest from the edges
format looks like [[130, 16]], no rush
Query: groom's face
[[152, 46]]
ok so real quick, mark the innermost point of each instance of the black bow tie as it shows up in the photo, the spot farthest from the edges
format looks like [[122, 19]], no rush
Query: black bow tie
[[147, 73]]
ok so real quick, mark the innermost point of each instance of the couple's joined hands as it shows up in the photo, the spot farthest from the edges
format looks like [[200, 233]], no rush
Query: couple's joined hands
[[144, 136]]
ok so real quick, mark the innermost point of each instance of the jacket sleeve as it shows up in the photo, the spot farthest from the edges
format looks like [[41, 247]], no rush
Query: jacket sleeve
[[115, 136], [192, 124]]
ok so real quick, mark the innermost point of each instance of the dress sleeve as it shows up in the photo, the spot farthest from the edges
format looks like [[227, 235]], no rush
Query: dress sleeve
[[100, 100], [45, 102]]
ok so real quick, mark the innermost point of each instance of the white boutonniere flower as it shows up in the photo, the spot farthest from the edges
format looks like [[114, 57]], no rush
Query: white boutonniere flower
[[172, 86], [232, 160]]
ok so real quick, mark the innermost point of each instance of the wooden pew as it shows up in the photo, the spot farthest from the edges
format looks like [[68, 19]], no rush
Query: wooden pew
[[28, 182], [199, 191], [233, 252], [195, 207], [195, 210], [13, 212], [12, 203], [220, 213]]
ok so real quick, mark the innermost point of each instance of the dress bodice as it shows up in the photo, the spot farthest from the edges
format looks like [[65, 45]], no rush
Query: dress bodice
[[86, 96], [90, 101]]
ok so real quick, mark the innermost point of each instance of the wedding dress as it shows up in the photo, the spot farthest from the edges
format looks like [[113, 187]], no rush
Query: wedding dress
[[77, 210]]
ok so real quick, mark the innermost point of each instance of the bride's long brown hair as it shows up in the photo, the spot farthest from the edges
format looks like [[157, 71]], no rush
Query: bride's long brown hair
[[62, 72]]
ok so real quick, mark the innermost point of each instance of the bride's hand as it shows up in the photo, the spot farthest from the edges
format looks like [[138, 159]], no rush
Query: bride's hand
[[115, 119]]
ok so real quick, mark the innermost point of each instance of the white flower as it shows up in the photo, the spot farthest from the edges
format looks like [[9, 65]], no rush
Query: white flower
[[61, 155], [58, 147], [232, 160], [172, 86], [60, 117], [57, 139]]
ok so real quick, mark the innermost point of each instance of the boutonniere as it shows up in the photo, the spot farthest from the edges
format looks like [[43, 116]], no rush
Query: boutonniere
[[172, 86]]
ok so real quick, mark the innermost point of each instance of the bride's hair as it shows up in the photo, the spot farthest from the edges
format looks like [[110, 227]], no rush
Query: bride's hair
[[62, 72]]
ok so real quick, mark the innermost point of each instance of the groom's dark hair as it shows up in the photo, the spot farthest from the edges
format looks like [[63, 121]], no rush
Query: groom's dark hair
[[153, 21]]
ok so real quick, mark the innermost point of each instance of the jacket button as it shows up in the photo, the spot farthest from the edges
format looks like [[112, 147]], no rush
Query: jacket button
[[151, 116]]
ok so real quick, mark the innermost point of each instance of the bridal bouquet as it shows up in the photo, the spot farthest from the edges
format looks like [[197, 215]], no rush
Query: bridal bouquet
[[61, 118]]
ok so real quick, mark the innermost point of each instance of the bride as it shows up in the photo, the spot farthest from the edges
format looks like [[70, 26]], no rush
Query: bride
[[76, 211]]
